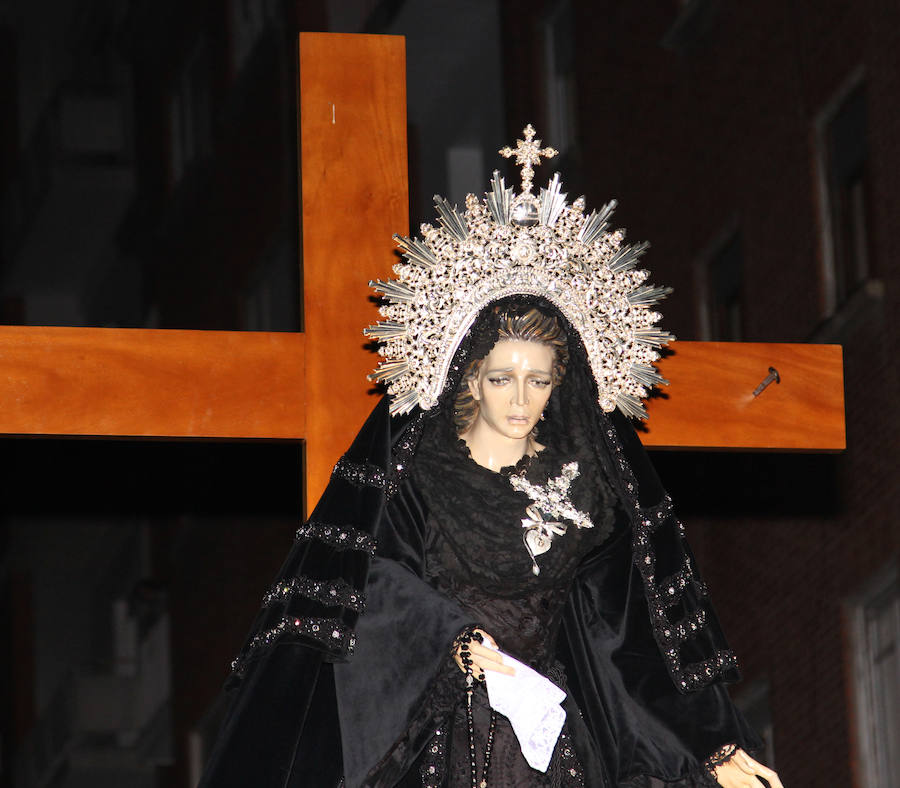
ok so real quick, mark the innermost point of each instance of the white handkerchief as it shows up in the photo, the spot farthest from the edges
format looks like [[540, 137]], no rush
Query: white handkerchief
[[530, 702]]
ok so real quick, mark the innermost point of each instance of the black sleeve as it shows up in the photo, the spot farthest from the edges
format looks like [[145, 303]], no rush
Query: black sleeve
[[281, 727], [647, 661], [392, 688]]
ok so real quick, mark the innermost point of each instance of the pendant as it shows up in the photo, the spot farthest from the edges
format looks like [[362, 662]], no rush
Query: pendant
[[548, 501]]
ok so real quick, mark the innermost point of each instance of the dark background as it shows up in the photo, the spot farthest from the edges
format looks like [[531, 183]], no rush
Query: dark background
[[148, 177]]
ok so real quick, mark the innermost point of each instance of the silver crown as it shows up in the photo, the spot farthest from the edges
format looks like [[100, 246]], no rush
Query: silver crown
[[509, 244]]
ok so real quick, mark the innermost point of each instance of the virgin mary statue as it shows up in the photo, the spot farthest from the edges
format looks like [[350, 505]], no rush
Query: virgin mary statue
[[495, 590]]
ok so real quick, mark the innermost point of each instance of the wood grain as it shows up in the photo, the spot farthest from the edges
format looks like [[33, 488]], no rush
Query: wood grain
[[151, 383], [710, 404], [228, 384], [219, 384], [353, 199]]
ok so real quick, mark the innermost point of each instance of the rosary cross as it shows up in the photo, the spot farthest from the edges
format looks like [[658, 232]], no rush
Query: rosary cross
[[528, 152]]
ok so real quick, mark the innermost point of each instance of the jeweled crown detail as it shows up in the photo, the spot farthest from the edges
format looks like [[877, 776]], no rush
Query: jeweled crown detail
[[510, 244]]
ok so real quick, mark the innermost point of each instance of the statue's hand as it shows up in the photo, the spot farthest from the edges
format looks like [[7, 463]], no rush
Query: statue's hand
[[483, 658], [742, 771]]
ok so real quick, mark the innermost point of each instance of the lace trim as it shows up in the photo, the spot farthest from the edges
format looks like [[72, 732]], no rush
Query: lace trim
[[708, 771], [669, 636], [334, 593], [337, 536], [518, 468], [336, 636]]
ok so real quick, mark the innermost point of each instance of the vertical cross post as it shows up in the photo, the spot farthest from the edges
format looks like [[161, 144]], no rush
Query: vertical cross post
[[353, 177]]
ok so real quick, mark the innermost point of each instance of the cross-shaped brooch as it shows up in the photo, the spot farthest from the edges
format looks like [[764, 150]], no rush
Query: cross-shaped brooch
[[550, 500]]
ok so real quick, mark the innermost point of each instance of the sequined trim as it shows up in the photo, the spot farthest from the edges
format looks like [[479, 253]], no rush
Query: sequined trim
[[672, 588], [369, 475], [332, 593], [362, 474], [402, 454], [336, 636], [677, 633], [568, 761], [337, 536], [669, 636], [432, 767]]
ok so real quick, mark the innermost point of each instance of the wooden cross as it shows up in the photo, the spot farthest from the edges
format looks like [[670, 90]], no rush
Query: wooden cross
[[311, 386]]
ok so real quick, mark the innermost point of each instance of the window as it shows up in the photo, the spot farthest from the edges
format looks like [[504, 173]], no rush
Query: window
[[842, 155], [559, 48], [724, 292], [190, 110], [202, 738], [875, 632], [271, 302], [693, 20], [248, 19], [753, 701]]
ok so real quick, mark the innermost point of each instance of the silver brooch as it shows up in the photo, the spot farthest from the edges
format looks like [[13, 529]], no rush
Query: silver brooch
[[551, 503]]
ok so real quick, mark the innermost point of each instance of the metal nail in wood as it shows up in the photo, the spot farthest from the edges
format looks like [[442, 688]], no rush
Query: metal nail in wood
[[773, 375]]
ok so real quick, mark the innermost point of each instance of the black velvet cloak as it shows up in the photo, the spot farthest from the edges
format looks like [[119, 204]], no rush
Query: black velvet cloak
[[336, 680]]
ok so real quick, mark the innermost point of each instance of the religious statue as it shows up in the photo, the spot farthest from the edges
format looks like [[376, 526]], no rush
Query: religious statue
[[495, 589]]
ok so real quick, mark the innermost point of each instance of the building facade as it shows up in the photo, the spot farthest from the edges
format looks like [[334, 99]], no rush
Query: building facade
[[149, 177], [755, 144]]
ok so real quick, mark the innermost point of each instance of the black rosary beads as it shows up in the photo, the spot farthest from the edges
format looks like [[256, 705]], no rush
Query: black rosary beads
[[465, 657]]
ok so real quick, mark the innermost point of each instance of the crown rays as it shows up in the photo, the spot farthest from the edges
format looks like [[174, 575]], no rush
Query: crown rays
[[508, 244]]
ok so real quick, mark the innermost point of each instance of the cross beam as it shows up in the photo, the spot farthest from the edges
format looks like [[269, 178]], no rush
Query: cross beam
[[106, 382]]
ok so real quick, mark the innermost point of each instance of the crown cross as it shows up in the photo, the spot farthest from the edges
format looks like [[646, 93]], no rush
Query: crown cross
[[528, 152]]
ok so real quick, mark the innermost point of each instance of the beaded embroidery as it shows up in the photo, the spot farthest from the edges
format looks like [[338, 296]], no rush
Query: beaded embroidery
[[432, 767], [336, 636], [402, 454], [370, 475], [336, 536], [362, 474], [569, 761], [332, 593], [672, 587], [669, 636]]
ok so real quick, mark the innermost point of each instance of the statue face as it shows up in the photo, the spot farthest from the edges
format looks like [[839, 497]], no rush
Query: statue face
[[513, 386]]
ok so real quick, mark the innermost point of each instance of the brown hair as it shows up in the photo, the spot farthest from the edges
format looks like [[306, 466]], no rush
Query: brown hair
[[532, 325]]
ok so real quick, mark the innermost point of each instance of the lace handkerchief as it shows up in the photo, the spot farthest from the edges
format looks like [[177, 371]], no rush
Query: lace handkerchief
[[530, 702]]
